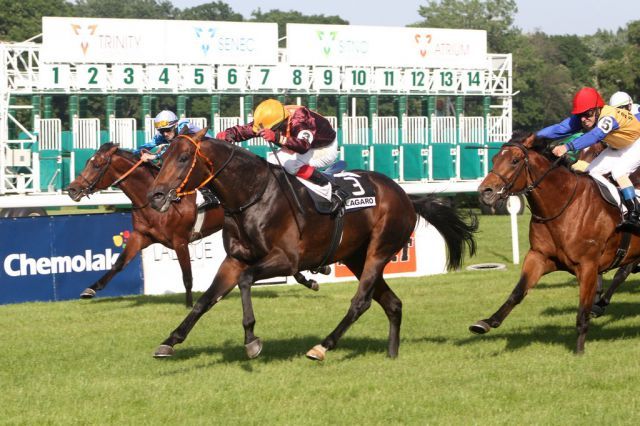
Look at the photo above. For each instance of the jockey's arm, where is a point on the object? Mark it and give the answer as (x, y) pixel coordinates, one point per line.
(238, 133)
(563, 129)
(605, 125)
(157, 139)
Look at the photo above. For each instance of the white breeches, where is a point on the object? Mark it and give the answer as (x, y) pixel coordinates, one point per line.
(618, 162)
(315, 157)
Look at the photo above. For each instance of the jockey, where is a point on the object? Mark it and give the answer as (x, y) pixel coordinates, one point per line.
(306, 140)
(619, 129)
(623, 100)
(168, 126)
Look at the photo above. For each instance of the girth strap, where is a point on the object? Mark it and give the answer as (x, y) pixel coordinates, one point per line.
(335, 239)
(622, 250)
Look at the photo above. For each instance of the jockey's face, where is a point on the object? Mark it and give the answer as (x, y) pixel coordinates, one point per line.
(588, 118)
(169, 134)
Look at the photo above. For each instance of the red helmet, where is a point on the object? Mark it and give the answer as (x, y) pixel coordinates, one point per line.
(586, 99)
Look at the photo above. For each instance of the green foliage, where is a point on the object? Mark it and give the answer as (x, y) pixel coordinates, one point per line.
(132, 9)
(213, 11)
(494, 16)
(22, 19)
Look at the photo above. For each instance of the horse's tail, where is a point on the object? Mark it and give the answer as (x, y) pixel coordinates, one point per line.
(452, 226)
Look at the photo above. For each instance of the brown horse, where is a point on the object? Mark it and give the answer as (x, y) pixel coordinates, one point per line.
(565, 206)
(175, 230)
(265, 235)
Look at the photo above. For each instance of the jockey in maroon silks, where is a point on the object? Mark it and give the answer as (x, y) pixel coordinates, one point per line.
(306, 139)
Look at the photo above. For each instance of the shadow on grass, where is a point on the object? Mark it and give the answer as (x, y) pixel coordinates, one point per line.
(232, 352)
(179, 298)
(558, 335)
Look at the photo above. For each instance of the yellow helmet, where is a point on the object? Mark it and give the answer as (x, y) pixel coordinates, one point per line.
(268, 115)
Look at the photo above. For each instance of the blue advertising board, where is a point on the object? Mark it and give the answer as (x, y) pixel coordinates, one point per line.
(56, 257)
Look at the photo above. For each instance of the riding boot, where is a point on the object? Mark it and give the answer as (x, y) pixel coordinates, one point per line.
(210, 200)
(631, 221)
(338, 195)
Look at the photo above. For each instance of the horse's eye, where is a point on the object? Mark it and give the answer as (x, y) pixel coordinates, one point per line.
(515, 161)
(95, 164)
(184, 157)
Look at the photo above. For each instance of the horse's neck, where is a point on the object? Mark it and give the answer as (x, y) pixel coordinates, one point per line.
(553, 191)
(136, 184)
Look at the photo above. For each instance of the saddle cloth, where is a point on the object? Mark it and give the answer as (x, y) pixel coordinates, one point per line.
(610, 193)
(359, 188)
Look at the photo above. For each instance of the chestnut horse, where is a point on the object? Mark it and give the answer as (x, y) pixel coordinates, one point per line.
(265, 235)
(565, 208)
(175, 230)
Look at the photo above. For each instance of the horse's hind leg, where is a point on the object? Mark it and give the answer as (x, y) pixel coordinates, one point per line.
(184, 259)
(310, 284)
(369, 276)
(136, 243)
(224, 281)
(393, 308)
(602, 302)
(535, 265)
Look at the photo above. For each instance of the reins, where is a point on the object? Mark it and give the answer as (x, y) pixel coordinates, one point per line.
(534, 184)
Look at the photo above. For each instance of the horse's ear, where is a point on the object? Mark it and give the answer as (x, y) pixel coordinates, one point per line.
(200, 134)
(184, 130)
(113, 148)
(529, 140)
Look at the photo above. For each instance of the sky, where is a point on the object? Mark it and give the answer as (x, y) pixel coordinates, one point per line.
(580, 17)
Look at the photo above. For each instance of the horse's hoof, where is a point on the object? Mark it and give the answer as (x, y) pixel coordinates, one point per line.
(254, 348)
(88, 293)
(313, 285)
(317, 353)
(164, 351)
(480, 327)
(325, 270)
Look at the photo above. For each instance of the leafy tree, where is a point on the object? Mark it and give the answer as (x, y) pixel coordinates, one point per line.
(293, 17)
(214, 11)
(21, 20)
(132, 9)
(494, 16)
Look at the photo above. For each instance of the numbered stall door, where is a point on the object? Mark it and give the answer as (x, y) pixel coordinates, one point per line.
(414, 150)
(49, 148)
(472, 157)
(123, 131)
(355, 142)
(443, 148)
(498, 132)
(385, 150)
(86, 141)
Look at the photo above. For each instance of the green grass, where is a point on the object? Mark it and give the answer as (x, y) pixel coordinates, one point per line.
(89, 362)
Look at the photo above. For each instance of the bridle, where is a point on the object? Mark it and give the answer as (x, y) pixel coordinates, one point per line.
(90, 188)
(175, 194)
(506, 192)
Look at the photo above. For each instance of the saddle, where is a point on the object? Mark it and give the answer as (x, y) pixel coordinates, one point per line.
(353, 191)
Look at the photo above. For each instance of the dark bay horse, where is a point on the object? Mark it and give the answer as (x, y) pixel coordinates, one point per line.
(572, 228)
(175, 229)
(265, 235)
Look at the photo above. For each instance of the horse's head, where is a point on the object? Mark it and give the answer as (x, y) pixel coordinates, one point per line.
(512, 167)
(184, 169)
(94, 176)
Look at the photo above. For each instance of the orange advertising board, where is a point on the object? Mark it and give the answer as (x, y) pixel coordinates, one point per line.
(404, 261)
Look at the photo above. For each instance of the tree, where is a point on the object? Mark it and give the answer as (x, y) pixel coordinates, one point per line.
(214, 11)
(131, 9)
(21, 20)
(293, 17)
(494, 16)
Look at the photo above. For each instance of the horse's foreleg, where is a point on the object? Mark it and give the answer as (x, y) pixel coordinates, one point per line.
(135, 243)
(535, 265)
(184, 259)
(602, 302)
(310, 284)
(223, 283)
(587, 274)
(252, 344)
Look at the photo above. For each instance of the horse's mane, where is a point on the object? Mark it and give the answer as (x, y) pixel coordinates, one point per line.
(541, 145)
(130, 156)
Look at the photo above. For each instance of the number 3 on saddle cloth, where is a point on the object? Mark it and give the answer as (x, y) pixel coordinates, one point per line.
(356, 190)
